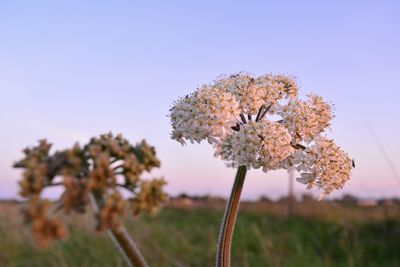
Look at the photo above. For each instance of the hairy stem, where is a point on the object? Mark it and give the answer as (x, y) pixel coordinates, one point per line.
(121, 238)
(228, 222)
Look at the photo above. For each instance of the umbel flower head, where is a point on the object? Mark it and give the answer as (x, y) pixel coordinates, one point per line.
(103, 167)
(260, 122)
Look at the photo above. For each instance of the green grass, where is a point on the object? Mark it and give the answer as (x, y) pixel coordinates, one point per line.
(178, 237)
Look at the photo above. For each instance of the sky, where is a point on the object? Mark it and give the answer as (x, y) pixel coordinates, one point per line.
(70, 70)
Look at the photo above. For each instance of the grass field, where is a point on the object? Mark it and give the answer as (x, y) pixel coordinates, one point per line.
(319, 234)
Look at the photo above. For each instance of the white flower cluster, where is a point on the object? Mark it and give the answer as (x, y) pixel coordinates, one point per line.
(323, 164)
(209, 113)
(307, 119)
(252, 92)
(261, 144)
(235, 115)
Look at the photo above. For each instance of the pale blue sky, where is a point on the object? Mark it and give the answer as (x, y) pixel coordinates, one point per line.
(73, 69)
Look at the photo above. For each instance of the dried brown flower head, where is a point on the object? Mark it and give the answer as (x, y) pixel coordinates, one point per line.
(101, 168)
(45, 229)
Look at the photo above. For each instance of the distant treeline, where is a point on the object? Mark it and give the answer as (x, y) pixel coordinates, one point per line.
(345, 199)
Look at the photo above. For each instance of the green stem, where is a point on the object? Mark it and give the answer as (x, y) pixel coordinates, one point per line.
(228, 222)
(121, 238)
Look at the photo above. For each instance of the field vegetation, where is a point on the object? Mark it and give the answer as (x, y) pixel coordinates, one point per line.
(338, 233)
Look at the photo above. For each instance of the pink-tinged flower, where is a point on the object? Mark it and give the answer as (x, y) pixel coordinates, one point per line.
(259, 122)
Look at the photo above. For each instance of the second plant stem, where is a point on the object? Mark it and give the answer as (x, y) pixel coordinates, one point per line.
(121, 238)
(229, 219)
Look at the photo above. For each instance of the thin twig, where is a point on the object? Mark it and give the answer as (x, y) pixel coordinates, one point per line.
(54, 184)
(118, 166)
(298, 146)
(126, 187)
(264, 112)
(243, 118)
(259, 113)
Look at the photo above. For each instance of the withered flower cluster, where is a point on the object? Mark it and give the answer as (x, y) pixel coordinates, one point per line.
(98, 170)
(45, 229)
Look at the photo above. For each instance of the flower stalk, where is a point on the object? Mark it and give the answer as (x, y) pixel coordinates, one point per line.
(121, 238)
(229, 219)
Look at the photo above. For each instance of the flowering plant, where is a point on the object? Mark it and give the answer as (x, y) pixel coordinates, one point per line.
(259, 122)
(93, 173)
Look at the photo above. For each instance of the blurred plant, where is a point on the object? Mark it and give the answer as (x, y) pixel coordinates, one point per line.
(95, 172)
(259, 122)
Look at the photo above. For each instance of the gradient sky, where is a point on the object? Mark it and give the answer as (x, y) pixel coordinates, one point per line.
(70, 70)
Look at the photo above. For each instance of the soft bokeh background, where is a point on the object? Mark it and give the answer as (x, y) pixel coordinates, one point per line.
(70, 70)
